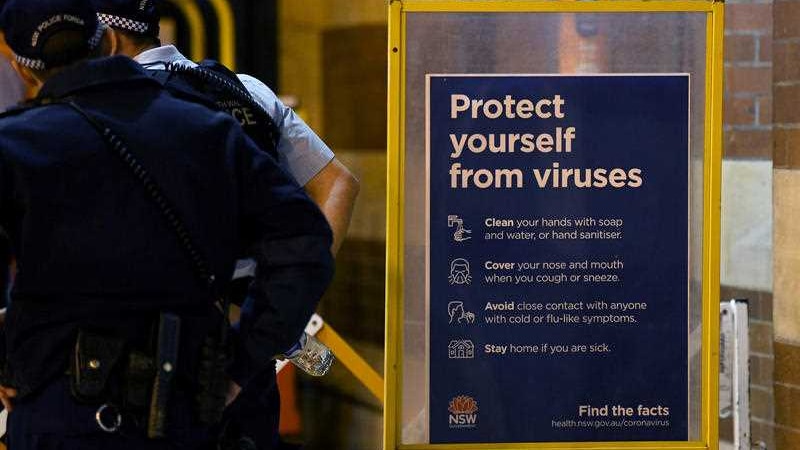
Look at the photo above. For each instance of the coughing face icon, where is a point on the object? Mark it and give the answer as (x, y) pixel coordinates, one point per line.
(459, 272)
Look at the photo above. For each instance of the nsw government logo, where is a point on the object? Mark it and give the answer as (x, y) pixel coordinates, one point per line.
(463, 412)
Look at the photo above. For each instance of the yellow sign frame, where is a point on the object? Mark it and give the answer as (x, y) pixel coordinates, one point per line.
(714, 9)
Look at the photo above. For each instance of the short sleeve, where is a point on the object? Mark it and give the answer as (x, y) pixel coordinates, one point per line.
(301, 151)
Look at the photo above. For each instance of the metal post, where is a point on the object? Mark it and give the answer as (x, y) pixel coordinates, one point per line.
(735, 370)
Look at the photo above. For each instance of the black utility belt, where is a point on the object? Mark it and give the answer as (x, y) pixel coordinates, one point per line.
(127, 383)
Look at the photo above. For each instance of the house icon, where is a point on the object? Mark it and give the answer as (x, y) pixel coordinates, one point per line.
(461, 349)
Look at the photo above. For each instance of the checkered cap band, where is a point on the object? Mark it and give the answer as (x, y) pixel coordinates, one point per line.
(38, 64)
(123, 23)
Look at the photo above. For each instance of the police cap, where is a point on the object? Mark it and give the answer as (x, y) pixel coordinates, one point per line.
(30, 27)
(136, 16)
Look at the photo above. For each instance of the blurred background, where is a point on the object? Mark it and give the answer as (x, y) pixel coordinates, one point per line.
(330, 59)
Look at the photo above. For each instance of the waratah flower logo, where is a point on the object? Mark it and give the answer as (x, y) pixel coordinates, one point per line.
(463, 404)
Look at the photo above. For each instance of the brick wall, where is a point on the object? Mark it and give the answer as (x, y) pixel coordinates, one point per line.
(748, 80)
(748, 136)
(786, 91)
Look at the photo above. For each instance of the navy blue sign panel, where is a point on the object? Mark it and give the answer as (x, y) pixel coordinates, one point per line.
(558, 264)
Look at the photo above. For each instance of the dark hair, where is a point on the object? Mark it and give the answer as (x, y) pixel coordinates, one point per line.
(138, 39)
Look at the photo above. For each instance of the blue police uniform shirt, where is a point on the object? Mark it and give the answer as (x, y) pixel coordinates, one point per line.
(94, 251)
(300, 150)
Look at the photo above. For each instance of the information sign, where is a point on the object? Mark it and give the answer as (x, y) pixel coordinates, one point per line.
(558, 258)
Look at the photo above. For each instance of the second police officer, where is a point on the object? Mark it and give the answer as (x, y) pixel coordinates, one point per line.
(254, 418)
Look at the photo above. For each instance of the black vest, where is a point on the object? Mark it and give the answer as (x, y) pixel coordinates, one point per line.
(217, 87)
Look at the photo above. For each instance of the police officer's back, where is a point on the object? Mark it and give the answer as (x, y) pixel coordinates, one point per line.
(254, 417)
(95, 250)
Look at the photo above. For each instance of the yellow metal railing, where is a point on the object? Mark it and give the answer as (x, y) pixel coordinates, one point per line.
(352, 361)
(197, 27)
(227, 33)
(346, 355)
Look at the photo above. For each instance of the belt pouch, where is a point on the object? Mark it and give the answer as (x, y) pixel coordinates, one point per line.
(167, 360)
(93, 360)
(213, 381)
(138, 382)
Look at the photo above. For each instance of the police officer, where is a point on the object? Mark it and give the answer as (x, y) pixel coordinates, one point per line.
(134, 25)
(124, 206)
(305, 156)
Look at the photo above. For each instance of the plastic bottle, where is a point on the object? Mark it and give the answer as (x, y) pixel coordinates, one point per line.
(311, 355)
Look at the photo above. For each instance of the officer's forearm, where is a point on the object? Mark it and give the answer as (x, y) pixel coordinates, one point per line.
(291, 243)
(334, 189)
(291, 277)
(7, 394)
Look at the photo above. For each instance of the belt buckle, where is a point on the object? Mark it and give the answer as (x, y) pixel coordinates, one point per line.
(105, 413)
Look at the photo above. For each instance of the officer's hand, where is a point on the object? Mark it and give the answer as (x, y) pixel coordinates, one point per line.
(233, 392)
(6, 394)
